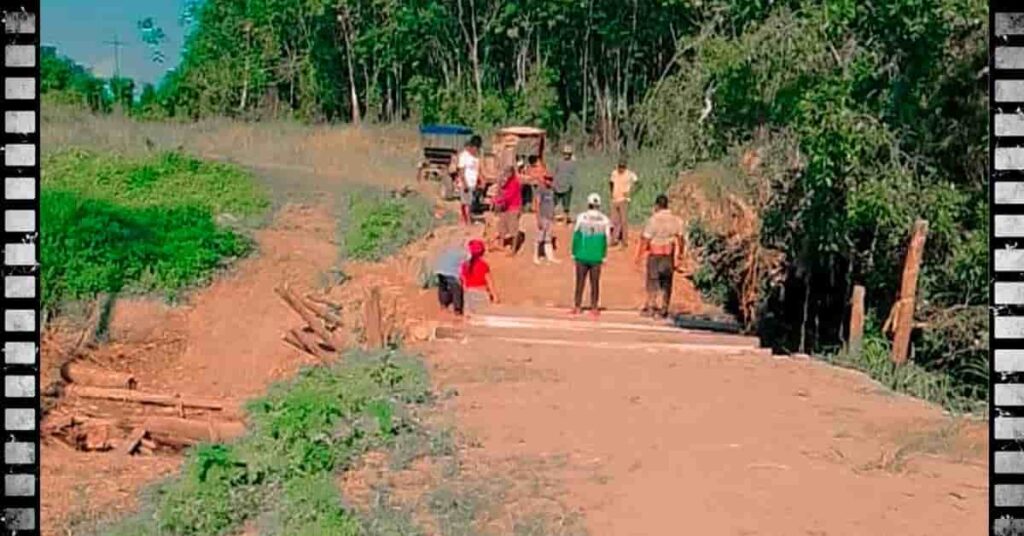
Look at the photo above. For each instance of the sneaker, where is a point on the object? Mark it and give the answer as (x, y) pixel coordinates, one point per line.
(595, 314)
(646, 312)
(575, 311)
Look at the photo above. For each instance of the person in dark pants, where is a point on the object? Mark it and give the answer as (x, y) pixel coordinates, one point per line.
(590, 237)
(449, 287)
(664, 244)
(564, 180)
(449, 293)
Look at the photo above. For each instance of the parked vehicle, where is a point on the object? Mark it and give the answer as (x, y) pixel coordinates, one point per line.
(441, 145)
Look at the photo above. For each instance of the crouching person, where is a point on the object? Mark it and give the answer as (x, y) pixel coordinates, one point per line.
(447, 274)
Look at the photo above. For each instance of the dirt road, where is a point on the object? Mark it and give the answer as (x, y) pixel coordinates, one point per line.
(689, 436)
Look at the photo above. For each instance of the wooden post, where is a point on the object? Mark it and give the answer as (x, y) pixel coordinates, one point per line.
(372, 321)
(856, 321)
(904, 319)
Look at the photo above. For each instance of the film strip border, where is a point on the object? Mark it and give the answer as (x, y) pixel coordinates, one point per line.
(1006, 266)
(21, 402)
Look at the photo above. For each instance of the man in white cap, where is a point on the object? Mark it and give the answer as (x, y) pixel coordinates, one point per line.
(590, 238)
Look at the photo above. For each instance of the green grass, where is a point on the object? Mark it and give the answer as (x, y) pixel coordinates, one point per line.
(909, 378)
(166, 180)
(375, 225)
(113, 224)
(300, 434)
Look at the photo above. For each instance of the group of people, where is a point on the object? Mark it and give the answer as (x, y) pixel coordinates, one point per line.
(519, 188)
(464, 278)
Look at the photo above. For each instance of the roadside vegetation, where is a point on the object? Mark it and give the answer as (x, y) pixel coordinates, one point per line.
(283, 471)
(113, 224)
(375, 223)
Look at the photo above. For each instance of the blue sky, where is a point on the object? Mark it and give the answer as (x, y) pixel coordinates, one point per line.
(78, 29)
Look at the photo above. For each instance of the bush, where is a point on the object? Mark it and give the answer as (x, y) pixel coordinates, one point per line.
(884, 109)
(111, 224)
(90, 246)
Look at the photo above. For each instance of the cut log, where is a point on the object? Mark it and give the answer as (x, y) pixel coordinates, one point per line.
(322, 311)
(133, 441)
(125, 395)
(307, 316)
(82, 374)
(293, 340)
(309, 341)
(323, 301)
(186, 432)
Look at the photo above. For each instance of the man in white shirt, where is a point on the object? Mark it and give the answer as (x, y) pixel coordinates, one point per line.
(469, 177)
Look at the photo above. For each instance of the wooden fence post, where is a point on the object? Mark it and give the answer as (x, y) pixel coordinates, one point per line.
(903, 320)
(856, 321)
(373, 321)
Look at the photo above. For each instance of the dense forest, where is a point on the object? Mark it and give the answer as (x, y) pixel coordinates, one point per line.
(868, 115)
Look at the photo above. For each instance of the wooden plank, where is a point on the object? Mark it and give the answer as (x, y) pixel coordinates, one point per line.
(125, 395)
(856, 335)
(904, 319)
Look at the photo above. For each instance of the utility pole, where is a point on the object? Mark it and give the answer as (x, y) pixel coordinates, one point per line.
(117, 44)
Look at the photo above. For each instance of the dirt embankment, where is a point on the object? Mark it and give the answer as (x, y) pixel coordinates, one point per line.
(223, 344)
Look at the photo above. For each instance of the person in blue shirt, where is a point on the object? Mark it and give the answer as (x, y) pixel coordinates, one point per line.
(447, 270)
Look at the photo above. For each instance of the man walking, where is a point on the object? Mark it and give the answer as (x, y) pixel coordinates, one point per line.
(565, 179)
(664, 242)
(589, 248)
(621, 182)
(544, 208)
(468, 178)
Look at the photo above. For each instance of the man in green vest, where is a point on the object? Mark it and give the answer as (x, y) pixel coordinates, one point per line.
(590, 237)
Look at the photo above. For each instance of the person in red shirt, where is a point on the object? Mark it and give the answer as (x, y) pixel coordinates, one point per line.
(509, 207)
(475, 276)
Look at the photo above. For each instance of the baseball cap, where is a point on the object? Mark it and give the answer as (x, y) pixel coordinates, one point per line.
(594, 199)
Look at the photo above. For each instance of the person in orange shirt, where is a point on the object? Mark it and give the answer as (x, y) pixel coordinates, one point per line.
(622, 182)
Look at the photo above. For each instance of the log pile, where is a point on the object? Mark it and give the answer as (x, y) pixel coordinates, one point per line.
(83, 430)
(320, 336)
(138, 435)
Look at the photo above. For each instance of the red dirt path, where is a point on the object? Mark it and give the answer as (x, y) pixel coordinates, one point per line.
(673, 442)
